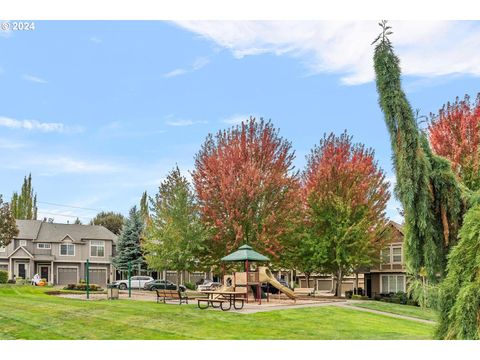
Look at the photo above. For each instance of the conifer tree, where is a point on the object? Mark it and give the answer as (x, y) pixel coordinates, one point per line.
(426, 185)
(128, 245)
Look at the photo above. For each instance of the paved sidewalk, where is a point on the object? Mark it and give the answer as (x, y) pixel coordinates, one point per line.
(398, 316)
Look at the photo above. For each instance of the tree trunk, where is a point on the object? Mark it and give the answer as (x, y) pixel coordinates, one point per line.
(338, 285)
(356, 284)
(307, 278)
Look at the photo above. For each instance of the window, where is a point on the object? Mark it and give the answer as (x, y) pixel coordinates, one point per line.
(67, 249)
(392, 283)
(43, 246)
(397, 254)
(3, 249)
(23, 242)
(385, 254)
(97, 248)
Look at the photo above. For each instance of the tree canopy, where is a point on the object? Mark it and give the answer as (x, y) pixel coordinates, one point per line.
(247, 190)
(24, 205)
(345, 194)
(8, 227)
(111, 220)
(174, 235)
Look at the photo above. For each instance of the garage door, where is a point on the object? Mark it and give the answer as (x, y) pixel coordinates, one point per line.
(67, 276)
(98, 276)
(324, 284)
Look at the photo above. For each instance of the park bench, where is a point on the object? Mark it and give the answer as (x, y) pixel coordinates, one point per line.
(164, 295)
(222, 299)
(303, 291)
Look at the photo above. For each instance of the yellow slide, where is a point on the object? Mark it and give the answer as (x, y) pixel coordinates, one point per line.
(265, 275)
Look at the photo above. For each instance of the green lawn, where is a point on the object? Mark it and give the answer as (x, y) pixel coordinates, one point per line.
(28, 313)
(414, 311)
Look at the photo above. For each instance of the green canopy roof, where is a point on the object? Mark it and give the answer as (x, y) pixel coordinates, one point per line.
(244, 253)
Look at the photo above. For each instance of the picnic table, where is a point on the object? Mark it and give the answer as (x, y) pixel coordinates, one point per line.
(223, 299)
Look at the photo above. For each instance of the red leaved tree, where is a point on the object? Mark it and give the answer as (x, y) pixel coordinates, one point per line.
(246, 187)
(345, 194)
(455, 135)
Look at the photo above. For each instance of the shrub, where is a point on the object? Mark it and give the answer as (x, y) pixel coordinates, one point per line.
(359, 297)
(190, 286)
(348, 294)
(82, 287)
(3, 277)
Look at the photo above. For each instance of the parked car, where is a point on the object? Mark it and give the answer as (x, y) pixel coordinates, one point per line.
(162, 284)
(273, 290)
(209, 286)
(137, 282)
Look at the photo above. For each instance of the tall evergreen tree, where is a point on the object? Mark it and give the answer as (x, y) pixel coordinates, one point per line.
(24, 206)
(175, 234)
(144, 211)
(8, 227)
(426, 185)
(128, 245)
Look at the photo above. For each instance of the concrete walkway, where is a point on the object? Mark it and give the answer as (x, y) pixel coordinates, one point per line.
(349, 305)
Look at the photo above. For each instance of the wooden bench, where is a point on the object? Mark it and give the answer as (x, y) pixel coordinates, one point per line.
(303, 291)
(164, 295)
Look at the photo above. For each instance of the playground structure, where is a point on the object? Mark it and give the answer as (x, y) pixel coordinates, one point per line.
(251, 280)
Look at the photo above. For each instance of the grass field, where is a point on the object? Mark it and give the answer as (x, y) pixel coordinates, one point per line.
(407, 310)
(28, 313)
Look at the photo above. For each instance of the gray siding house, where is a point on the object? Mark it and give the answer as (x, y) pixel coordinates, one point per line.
(58, 252)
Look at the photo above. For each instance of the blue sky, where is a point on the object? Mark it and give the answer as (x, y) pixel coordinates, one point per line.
(98, 112)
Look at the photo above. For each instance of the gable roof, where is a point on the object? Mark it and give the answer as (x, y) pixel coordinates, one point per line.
(25, 252)
(28, 229)
(41, 231)
(397, 226)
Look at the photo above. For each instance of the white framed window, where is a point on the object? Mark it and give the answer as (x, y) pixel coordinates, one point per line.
(97, 248)
(392, 283)
(23, 242)
(67, 249)
(44, 246)
(385, 255)
(396, 254)
(3, 249)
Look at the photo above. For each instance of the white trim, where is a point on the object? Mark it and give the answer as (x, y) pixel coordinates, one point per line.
(66, 244)
(68, 267)
(3, 249)
(401, 255)
(18, 248)
(39, 272)
(22, 242)
(90, 249)
(396, 276)
(16, 270)
(44, 248)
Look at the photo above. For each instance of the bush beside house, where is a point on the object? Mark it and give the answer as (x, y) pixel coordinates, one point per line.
(3, 277)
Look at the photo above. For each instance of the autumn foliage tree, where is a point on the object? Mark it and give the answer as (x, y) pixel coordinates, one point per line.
(345, 194)
(247, 190)
(455, 134)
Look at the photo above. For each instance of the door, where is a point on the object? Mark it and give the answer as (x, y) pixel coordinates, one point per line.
(67, 276)
(22, 271)
(98, 277)
(45, 272)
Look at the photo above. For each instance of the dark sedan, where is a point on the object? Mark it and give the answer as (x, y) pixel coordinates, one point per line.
(162, 284)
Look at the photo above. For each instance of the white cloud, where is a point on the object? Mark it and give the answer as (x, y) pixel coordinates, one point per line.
(35, 125)
(174, 73)
(184, 122)
(95, 40)
(236, 119)
(426, 48)
(62, 164)
(34, 79)
(198, 64)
